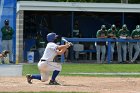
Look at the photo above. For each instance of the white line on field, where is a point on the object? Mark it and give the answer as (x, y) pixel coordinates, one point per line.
(108, 73)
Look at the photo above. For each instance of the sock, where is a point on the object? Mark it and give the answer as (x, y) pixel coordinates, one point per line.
(55, 73)
(36, 77)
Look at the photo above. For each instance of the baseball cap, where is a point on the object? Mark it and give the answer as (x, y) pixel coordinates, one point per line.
(51, 37)
(6, 21)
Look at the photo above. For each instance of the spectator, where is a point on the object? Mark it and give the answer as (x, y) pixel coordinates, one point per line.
(40, 44)
(122, 46)
(7, 35)
(112, 34)
(134, 35)
(101, 46)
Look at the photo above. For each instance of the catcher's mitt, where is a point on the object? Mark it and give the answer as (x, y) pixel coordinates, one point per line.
(5, 52)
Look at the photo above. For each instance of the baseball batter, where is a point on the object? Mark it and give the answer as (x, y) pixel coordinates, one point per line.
(46, 63)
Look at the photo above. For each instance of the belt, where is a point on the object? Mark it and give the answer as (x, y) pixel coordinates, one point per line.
(43, 60)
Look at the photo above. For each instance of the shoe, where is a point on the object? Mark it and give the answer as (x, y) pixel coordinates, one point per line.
(120, 62)
(3, 62)
(11, 62)
(53, 83)
(125, 62)
(29, 78)
(135, 62)
(131, 62)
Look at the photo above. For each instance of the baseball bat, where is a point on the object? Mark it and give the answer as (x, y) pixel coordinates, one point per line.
(66, 41)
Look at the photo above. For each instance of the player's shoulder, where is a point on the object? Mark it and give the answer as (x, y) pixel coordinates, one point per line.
(51, 44)
(109, 30)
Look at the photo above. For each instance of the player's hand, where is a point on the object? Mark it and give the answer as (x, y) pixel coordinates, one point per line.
(68, 44)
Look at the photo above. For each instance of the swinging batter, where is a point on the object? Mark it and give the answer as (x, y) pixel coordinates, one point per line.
(46, 63)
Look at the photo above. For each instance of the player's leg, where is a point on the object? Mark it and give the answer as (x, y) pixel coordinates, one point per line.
(33, 76)
(43, 70)
(56, 68)
(112, 50)
(10, 47)
(137, 51)
(124, 47)
(98, 49)
(119, 46)
(103, 50)
(130, 50)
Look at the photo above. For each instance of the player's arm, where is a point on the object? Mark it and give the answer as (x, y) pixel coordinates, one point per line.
(98, 35)
(62, 48)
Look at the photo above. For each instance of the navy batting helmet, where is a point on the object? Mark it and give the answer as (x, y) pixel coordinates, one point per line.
(51, 37)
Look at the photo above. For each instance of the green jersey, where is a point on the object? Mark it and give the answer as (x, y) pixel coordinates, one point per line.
(122, 32)
(7, 33)
(135, 34)
(111, 33)
(99, 34)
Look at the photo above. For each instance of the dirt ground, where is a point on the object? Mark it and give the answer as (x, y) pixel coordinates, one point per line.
(73, 84)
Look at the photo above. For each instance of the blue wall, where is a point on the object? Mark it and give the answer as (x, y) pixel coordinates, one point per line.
(9, 12)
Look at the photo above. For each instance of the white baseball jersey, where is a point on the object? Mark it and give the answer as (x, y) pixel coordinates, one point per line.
(50, 52)
(46, 63)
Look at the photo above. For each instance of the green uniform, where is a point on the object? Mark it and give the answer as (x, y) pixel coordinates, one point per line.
(123, 33)
(110, 31)
(7, 33)
(135, 34)
(101, 33)
(122, 46)
(100, 47)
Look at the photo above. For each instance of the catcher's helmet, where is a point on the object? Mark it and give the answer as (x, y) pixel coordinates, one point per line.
(51, 37)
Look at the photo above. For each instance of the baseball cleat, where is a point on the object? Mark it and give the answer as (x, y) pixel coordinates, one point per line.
(29, 78)
(53, 83)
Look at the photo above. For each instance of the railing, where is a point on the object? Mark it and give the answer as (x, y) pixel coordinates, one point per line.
(109, 40)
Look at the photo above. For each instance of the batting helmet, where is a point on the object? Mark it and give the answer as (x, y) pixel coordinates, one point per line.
(51, 37)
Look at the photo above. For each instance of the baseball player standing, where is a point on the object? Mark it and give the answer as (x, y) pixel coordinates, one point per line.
(101, 46)
(122, 46)
(135, 35)
(46, 63)
(111, 33)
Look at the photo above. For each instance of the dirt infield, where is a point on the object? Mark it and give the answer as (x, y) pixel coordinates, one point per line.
(73, 84)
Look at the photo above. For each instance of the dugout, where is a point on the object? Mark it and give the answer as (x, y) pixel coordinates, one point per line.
(60, 17)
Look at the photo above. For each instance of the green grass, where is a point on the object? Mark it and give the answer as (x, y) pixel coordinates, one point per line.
(88, 68)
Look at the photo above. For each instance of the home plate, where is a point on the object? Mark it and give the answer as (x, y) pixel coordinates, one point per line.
(10, 70)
